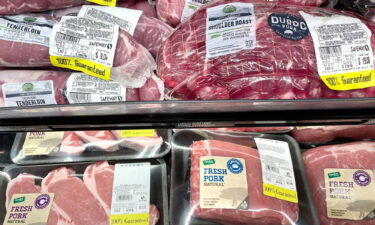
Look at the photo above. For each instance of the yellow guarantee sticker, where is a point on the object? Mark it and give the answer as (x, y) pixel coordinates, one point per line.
(111, 3)
(133, 219)
(280, 193)
(137, 133)
(91, 68)
(350, 81)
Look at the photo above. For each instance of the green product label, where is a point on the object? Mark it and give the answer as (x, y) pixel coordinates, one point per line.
(19, 200)
(334, 175)
(209, 162)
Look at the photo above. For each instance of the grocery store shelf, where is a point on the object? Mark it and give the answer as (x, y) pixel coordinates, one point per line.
(172, 114)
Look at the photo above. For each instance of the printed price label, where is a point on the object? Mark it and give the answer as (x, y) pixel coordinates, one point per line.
(131, 194)
(29, 209)
(137, 133)
(277, 169)
(343, 51)
(111, 3)
(82, 88)
(127, 19)
(84, 44)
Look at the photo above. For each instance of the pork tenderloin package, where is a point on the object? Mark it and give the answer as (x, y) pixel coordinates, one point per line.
(23, 88)
(76, 146)
(149, 31)
(316, 135)
(78, 43)
(221, 178)
(342, 180)
(102, 191)
(246, 49)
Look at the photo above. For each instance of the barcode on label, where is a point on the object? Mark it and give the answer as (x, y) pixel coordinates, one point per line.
(124, 197)
(64, 37)
(332, 51)
(80, 96)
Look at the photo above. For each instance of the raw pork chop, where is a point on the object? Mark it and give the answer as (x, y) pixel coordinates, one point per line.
(324, 134)
(98, 179)
(71, 144)
(355, 155)
(278, 68)
(262, 209)
(62, 182)
(101, 139)
(149, 32)
(170, 11)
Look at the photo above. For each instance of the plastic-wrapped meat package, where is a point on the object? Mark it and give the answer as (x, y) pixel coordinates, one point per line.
(277, 68)
(205, 188)
(253, 129)
(142, 5)
(342, 182)
(324, 134)
(132, 64)
(175, 12)
(149, 31)
(75, 146)
(14, 45)
(58, 90)
(92, 195)
(25, 6)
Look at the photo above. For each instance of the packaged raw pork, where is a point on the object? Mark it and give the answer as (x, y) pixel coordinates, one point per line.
(25, 6)
(60, 191)
(148, 31)
(240, 49)
(76, 146)
(214, 180)
(175, 12)
(323, 134)
(31, 40)
(24, 88)
(341, 178)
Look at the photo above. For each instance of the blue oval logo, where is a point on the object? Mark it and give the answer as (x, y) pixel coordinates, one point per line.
(288, 26)
(235, 166)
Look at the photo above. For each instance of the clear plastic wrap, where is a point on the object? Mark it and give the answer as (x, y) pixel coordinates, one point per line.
(277, 68)
(149, 31)
(171, 11)
(365, 7)
(153, 89)
(76, 146)
(91, 182)
(132, 64)
(315, 135)
(358, 158)
(188, 148)
(254, 129)
(25, 6)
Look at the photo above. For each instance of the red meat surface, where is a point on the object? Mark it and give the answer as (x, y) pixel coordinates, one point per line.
(73, 204)
(251, 129)
(71, 144)
(170, 11)
(98, 178)
(24, 6)
(355, 155)
(321, 135)
(277, 68)
(149, 32)
(262, 209)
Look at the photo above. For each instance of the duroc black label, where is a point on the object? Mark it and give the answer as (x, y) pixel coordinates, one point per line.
(288, 26)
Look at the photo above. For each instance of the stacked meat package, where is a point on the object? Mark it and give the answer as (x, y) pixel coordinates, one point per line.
(107, 176)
